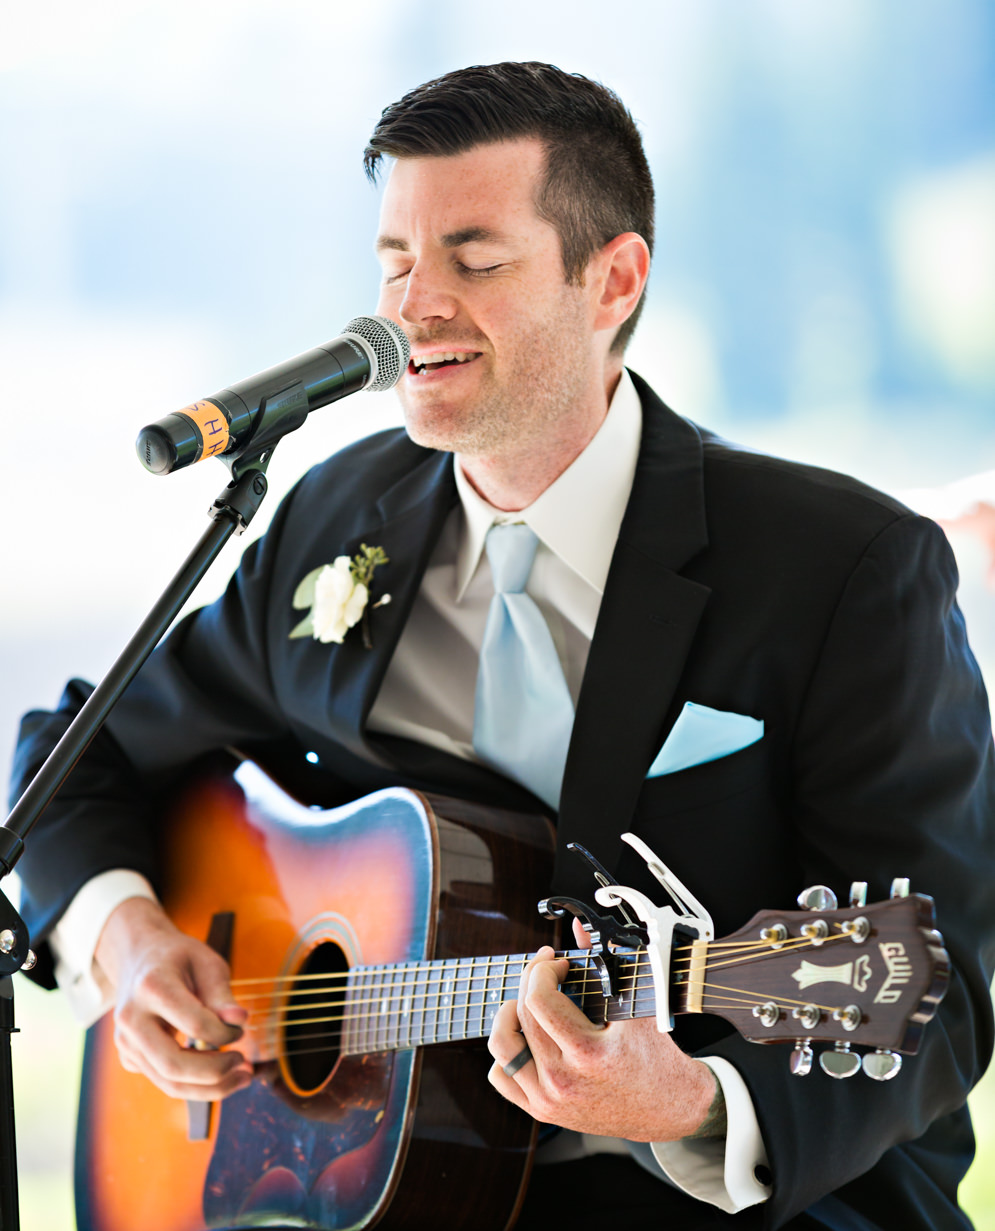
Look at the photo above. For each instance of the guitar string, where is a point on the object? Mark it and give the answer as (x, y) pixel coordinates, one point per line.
(358, 1006)
(364, 1045)
(480, 969)
(430, 965)
(390, 995)
(418, 1036)
(758, 951)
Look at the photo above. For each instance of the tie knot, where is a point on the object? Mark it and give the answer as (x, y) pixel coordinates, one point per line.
(511, 550)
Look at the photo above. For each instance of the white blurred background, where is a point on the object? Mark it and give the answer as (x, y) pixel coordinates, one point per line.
(182, 204)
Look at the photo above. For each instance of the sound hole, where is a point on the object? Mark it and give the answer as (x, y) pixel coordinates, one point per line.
(312, 1029)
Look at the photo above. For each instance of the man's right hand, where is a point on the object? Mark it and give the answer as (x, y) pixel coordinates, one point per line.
(170, 989)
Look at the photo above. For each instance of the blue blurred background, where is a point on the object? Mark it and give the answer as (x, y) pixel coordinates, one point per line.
(182, 203)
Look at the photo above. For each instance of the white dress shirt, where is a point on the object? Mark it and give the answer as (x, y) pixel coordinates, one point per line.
(428, 696)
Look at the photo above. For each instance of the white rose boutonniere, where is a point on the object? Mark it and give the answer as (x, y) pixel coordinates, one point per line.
(338, 595)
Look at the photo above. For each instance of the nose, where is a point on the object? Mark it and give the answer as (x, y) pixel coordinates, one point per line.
(426, 296)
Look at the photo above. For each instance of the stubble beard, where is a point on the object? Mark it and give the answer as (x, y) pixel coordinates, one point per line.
(551, 373)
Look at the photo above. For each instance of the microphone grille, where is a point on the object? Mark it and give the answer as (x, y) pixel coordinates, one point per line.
(389, 345)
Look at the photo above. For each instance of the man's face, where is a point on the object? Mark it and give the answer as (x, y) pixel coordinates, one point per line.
(502, 354)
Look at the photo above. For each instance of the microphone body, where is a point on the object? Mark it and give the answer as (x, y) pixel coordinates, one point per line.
(371, 353)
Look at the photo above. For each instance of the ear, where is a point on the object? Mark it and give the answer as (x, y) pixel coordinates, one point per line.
(618, 274)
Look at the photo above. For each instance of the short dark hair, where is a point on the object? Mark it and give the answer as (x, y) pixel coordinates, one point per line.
(597, 182)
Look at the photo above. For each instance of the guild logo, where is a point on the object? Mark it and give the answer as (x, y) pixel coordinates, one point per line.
(899, 972)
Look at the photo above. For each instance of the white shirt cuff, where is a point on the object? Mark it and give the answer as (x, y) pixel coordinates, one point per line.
(74, 939)
(723, 1173)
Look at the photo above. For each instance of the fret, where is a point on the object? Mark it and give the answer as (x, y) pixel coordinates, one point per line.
(394, 1002)
(370, 1010)
(366, 1009)
(380, 1007)
(466, 988)
(372, 997)
(478, 997)
(645, 998)
(427, 1000)
(459, 1002)
(347, 1032)
(493, 993)
(464, 975)
(432, 997)
(446, 999)
(405, 1006)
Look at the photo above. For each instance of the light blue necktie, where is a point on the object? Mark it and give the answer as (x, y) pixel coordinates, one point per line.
(523, 714)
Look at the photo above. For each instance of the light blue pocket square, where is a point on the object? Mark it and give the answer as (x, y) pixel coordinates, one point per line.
(701, 734)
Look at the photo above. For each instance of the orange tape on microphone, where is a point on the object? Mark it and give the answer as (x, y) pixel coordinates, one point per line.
(212, 426)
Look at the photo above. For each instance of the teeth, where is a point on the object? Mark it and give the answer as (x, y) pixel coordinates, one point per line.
(443, 357)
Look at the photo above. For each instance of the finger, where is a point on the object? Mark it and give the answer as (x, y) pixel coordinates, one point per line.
(198, 1091)
(554, 1025)
(541, 976)
(581, 935)
(507, 1044)
(519, 1061)
(541, 996)
(211, 984)
(506, 1032)
(151, 1049)
(172, 994)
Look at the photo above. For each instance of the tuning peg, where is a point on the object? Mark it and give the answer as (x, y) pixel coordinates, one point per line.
(808, 1014)
(858, 893)
(775, 935)
(849, 1017)
(900, 887)
(768, 1014)
(801, 1058)
(817, 897)
(840, 1062)
(881, 1065)
(816, 931)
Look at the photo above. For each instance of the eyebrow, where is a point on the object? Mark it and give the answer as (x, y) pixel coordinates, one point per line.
(455, 239)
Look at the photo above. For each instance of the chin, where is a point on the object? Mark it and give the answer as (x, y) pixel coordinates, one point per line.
(431, 432)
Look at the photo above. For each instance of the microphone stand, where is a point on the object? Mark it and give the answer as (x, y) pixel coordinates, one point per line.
(230, 514)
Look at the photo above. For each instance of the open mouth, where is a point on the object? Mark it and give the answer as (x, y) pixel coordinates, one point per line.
(442, 359)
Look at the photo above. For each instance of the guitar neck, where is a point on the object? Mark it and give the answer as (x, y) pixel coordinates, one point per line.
(412, 1004)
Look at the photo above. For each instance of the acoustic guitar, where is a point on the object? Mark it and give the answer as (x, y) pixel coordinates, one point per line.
(355, 938)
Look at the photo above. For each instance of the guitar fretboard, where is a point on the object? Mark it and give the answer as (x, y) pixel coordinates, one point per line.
(412, 1004)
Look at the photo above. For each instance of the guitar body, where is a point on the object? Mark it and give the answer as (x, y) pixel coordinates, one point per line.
(401, 1138)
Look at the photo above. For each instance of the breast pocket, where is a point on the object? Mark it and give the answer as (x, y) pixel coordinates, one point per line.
(722, 830)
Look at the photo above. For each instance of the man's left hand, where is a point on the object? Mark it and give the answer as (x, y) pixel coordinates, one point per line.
(625, 1079)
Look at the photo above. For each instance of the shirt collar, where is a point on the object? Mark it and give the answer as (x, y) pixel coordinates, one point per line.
(566, 517)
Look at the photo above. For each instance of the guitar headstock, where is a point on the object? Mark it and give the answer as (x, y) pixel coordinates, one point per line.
(871, 976)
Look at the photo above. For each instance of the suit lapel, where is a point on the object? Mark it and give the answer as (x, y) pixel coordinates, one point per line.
(648, 619)
(406, 523)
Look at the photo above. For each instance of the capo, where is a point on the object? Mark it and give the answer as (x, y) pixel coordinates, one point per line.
(660, 922)
(606, 933)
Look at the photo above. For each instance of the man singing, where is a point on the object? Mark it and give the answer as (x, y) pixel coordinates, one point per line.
(666, 582)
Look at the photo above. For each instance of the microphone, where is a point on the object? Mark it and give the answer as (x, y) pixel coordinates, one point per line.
(371, 353)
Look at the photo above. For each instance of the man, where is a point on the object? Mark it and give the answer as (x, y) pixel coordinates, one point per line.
(671, 568)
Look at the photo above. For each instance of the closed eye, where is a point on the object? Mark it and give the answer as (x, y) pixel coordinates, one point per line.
(478, 271)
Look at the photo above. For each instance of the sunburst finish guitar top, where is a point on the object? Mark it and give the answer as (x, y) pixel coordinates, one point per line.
(322, 1139)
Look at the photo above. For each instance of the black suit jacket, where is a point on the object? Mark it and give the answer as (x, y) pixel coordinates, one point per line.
(740, 582)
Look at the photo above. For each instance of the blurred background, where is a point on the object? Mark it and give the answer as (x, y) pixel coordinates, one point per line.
(182, 204)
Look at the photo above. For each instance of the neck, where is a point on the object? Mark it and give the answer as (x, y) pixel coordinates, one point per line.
(391, 1007)
(517, 477)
